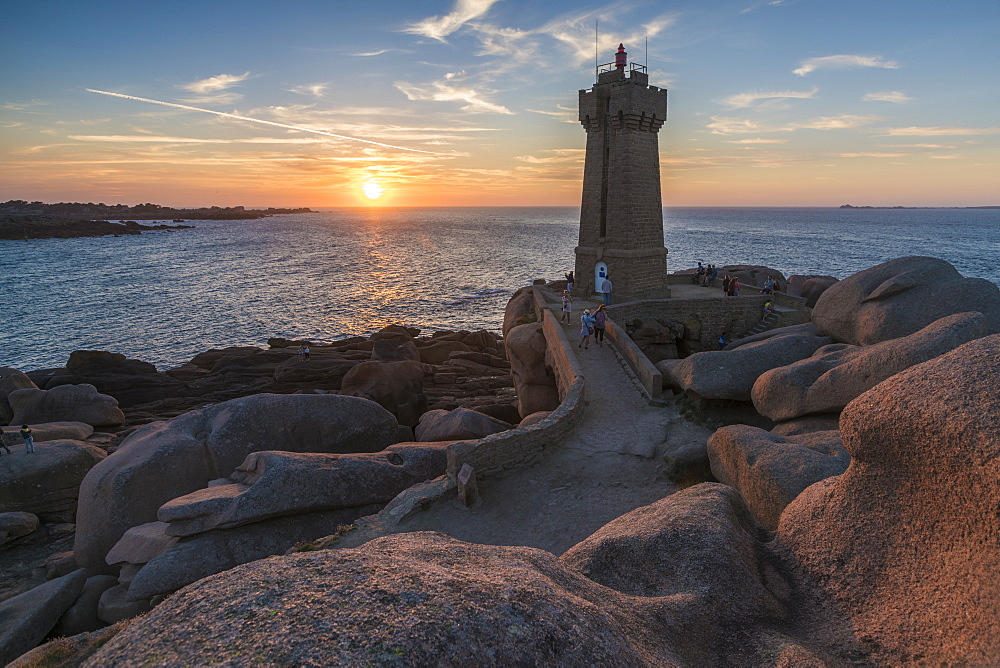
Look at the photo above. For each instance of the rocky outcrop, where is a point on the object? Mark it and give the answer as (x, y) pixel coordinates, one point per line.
(16, 524)
(410, 598)
(533, 377)
(82, 615)
(130, 382)
(809, 287)
(27, 618)
(47, 482)
(457, 425)
(396, 386)
(769, 470)
(65, 403)
(50, 431)
(900, 297)
(10, 380)
(520, 310)
(906, 542)
(731, 374)
(686, 581)
(273, 484)
(836, 374)
(164, 460)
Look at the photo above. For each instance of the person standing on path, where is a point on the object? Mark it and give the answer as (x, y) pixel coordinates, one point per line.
(569, 282)
(725, 284)
(567, 306)
(606, 290)
(26, 436)
(586, 328)
(600, 322)
(305, 353)
(734, 287)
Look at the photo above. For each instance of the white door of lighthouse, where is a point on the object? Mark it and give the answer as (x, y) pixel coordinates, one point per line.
(600, 273)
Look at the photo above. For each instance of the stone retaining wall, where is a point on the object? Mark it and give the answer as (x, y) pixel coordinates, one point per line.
(733, 315)
(516, 448)
(649, 377)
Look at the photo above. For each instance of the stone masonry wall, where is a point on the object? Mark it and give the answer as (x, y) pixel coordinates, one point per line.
(733, 315)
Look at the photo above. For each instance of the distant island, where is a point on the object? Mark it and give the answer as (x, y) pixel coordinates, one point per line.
(851, 206)
(36, 220)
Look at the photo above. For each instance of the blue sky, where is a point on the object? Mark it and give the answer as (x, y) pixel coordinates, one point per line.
(771, 103)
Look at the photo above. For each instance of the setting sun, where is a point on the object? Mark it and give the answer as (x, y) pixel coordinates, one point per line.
(372, 189)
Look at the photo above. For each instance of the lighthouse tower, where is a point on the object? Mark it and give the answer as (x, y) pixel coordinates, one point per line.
(621, 218)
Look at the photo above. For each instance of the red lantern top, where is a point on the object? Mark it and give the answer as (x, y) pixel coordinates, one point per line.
(620, 58)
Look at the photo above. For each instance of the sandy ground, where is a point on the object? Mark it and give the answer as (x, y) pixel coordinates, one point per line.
(609, 465)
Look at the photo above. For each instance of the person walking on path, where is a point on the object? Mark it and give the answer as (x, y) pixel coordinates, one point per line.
(606, 290)
(29, 441)
(586, 328)
(569, 282)
(600, 322)
(567, 306)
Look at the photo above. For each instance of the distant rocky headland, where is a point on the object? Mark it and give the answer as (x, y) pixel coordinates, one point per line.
(36, 220)
(851, 206)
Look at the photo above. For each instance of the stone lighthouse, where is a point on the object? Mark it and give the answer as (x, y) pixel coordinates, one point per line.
(621, 218)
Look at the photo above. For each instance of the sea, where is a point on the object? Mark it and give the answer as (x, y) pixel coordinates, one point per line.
(165, 296)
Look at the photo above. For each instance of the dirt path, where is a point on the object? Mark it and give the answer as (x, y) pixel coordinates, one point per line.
(609, 465)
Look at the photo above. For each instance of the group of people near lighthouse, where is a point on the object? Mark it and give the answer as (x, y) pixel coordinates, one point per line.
(591, 324)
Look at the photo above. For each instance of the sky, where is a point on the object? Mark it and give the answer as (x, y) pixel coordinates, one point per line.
(474, 102)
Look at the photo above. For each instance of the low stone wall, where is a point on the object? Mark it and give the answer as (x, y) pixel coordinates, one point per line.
(733, 315)
(649, 377)
(516, 448)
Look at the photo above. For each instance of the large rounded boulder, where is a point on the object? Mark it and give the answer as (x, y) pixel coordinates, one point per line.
(131, 382)
(534, 380)
(396, 386)
(906, 542)
(771, 470)
(65, 403)
(47, 481)
(836, 374)
(900, 297)
(408, 599)
(457, 425)
(164, 460)
(10, 380)
(730, 374)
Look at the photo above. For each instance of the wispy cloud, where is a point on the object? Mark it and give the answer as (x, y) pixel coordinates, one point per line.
(445, 91)
(577, 31)
(162, 139)
(896, 96)
(756, 141)
(842, 122)
(216, 83)
(945, 157)
(945, 146)
(914, 131)
(743, 100)
(439, 27)
(314, 90)
(564, 114)
(728, 125)
(873, 155)
(841, 61)
(219, 99)
(369, 54)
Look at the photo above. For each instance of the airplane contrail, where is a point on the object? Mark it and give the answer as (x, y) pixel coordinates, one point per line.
(255, 120)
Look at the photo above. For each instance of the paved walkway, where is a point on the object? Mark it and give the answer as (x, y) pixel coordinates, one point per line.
(609, 465)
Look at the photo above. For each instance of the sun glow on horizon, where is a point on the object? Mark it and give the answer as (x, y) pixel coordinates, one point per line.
(372, 189)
